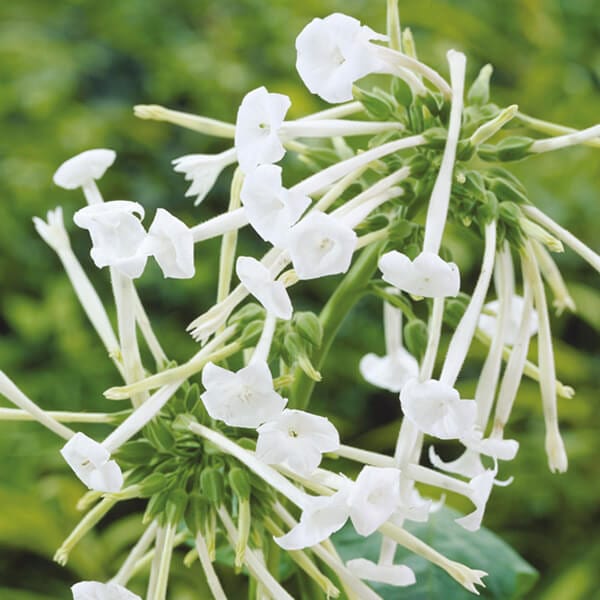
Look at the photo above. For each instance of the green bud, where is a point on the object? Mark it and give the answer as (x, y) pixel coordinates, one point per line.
(415, 337)
(308, 326)
(436, 137)
(401, 91)
(501, 173)
(177, 501)
(196, 511)
(474, 183)
(240, 483)
(378, 104)
(155, 506)
(415, 117)
(506, 191)
(372, 223)
(418, 165)
(488, 211)
(192, 397)
(400, 230)
(211, 482)
(246, 443)
(430, 102)
(455, 309)
(153, 484)
(248, 313)
(251, 334)
(479, 92)
(293, 347)
(159, 434)
(465, 150)
(183, 421)
(509, 211)
(509, 149)
(137, 452)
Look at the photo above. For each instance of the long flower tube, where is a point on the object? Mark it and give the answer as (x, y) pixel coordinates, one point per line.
(554, 279)
(209, 571)
(563, 141)
(553, 128)
(125, 572)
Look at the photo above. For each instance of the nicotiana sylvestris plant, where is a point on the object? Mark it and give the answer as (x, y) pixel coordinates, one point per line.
(231, 457)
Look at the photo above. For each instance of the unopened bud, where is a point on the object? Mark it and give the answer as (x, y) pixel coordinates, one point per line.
(415, 337)
(309, 327)
(479, 92)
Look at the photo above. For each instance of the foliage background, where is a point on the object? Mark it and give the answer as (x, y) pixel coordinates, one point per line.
(70, 72)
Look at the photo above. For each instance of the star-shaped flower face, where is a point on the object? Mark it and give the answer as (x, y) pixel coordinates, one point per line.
(320, 245)
(390, 372)
(333, 53)
(242, 399)
(117, 235)
(437, 409)
(258, 280)
(171, 243)
(373, 498)
(84, 168)
(94, 590)
(271, 209)
(427, 275)
(487, 322)
(90, 462)
(296, 439)
(323, 516)
(259, 118)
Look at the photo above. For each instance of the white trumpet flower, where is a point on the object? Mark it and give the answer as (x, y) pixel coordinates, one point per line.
(489, 316)
(94, 590)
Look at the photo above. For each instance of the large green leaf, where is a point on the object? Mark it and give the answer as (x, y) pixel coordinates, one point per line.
(509, 576)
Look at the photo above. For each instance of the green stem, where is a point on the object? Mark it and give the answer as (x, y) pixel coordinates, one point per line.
(350, 290)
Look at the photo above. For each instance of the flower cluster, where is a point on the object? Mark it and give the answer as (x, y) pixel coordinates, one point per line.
(243, 445)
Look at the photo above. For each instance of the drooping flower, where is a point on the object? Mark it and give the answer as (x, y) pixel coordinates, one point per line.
(297, 440)
(245, 398)
(320, 245)
(399, 575)
(117, 235)
(95, 590)
(203, 170)
(257, 279)
(333, 53)
(82, 171)
(271, 209)
(171, 243)
(390, 372)
(373, 498)
(428, 275)
(91, 463)
(437, 409)
(259, 118)
(321, 517)
(489, 316)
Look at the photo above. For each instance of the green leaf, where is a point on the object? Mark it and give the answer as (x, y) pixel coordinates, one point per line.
(509, 575)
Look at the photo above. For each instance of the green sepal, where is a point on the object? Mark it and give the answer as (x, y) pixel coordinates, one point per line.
(248, 313)
(506, 191)
(401, 91)
(153, 484)
(240, 483)
(175, 505)
(378, 104)
(479, 92)
(415, 337)
(212, 484)
(159, 434)
(136, 452)
(308, 327)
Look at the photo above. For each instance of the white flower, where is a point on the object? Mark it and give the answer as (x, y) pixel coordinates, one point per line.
(390, 372)
(296, 439)
(90, 462)
(468, 464)
(171, 243)
(481, 488)
(242, 399)
(427, 275)
(321, 517)
(257, 279)
(203, 170)
(94, 590)
(412, 505)
(84, 168)
(437, 409)
(333, 53)
(487, 321)
(116, 233)
(390, 574)
(259, 118)
(271, 209)
(373, 498)
(319, 245)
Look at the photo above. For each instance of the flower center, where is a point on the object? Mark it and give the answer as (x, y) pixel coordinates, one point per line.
(326, 244)
(292, 433)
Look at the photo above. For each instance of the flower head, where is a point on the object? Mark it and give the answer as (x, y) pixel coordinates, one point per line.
(257, 279)
(437, 409)
(242, 399)
(271, 209)
(322, 516)
(296, 439)
(90, 462)
(203, 170)
(427, 275)
(487, 321)
(320, 245)
(259, 118)
(334, 52)
(373, 498)
(84, 168)
(94, 590)
(171, 243)
(390, 372)
(117, 235)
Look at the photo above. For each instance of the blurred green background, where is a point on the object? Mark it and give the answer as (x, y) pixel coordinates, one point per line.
(70, 71)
